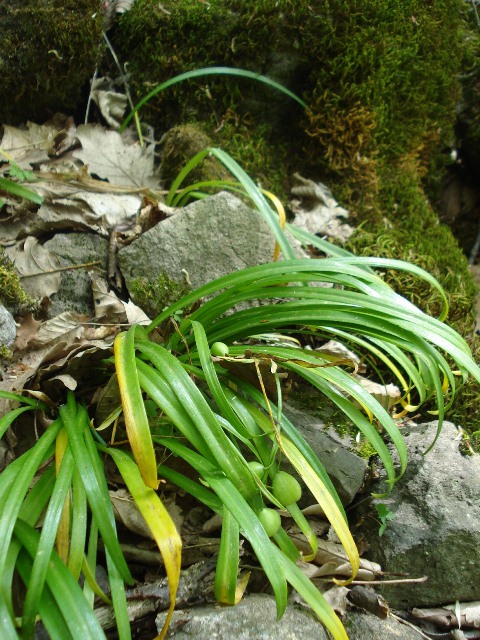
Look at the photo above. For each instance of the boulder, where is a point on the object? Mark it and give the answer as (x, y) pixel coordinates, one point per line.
(72, 249)
(207, 239)
(435, 529)
(346, 470)
(8, 329)
(254, 618)
(361, 625)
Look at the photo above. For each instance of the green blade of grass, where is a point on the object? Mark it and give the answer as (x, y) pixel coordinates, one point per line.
(189, 396)
(20, 191)
(98, 497)
(7, 626)
(67, 593)
(228, 558)
(29, 463)
(46, 545)
(250, 525)
(49, 612)
(311, 595)
(210, 71)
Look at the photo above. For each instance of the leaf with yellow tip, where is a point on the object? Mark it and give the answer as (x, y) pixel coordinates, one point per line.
(326, 501)
(136, 420)
(158, 521)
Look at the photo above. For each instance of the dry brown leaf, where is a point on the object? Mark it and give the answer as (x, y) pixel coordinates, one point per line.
(33, 263)
(323, 215)
(29, 146)
(108, 157)
(127, 512)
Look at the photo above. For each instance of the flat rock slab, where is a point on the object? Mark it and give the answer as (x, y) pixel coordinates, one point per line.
(207, 239)
(436, 528)
(73, 249)
(254, 618)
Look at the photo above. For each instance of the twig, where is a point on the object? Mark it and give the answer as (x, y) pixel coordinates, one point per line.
(75, 266)
(409, 624)
(399, 581)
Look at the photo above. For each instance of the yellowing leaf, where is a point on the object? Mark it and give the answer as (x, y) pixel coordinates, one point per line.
(158, 521)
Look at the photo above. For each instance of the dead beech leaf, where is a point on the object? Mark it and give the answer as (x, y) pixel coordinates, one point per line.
(108, 157)
(66, 208)
(27, 331)
(108, 399)
(35, 264)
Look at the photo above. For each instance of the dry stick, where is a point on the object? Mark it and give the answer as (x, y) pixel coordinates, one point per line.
(75, 266)
(399, 581)
(409, 624)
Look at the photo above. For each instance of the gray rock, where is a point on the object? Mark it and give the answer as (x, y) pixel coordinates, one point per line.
(75, 292)
(346, 470)
(8, 329)
(435, 531)
(254, 618)
(361, 625)
(206, 240)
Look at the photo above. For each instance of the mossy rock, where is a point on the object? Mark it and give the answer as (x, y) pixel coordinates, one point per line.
(48, 51)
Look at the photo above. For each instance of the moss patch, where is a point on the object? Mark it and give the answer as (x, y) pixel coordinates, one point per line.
(12, 294)
(48, 50)
(154, 296)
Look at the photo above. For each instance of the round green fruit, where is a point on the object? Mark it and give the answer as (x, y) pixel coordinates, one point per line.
(286, 488)
(257, 468)
(219, 349)
(270, 520)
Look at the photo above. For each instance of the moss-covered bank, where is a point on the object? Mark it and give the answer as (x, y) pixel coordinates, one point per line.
(48, 51)
(381, 78)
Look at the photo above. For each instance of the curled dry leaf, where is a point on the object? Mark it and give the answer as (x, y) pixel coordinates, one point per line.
(323, 215)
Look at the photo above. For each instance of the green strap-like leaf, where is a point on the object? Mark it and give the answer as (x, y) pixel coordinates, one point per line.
(136, 420)
(158, 520)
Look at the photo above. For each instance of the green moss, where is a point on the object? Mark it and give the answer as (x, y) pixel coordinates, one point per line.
(48, 51)
(11, 292)
(154, 296)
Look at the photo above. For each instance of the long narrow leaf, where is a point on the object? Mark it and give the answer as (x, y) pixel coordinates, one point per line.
(210, 71)
(158, 520)
(136, 420)
(79, 617)
(98, 499)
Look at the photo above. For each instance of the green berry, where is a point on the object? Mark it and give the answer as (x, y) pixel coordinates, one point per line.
(257, 468)
(219, 349)
(270, 520)
(286, 488)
